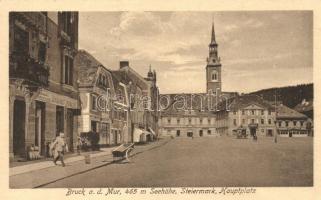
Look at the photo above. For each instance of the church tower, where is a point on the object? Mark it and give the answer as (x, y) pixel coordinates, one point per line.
(213, 68)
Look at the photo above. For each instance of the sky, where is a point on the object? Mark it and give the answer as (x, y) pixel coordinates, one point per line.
(258, 49)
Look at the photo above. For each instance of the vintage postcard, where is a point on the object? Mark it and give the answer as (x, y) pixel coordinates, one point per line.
(161, 104)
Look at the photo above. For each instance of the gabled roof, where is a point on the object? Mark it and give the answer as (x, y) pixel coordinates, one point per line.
(87, 68)
(240, 102)
(288, 113)
(127, 74)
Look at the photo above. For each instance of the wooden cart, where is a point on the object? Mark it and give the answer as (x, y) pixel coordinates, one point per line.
(122, 152)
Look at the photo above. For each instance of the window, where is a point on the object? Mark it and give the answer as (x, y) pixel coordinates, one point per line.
(234, 112)
(93, 102)
(178, 133)
(243, 112)
(66, 22)
(201, 120)
(189, 120)
(201, 133)
(262, 121)
(209, 132)
(214, 76)
(253, 112)
(294, 123)
(209, 121)
(269, 112)
(102, 81)
(21, 41)
(262, 112)
(42, 52)
(286, 123)
(178, 120)
(301, 122)
(252, 121)
(169, 120)
(234, 122)
(270, 121)
(280, 123)
(68, 70)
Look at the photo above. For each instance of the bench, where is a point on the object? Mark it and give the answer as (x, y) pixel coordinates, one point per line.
(122, 151)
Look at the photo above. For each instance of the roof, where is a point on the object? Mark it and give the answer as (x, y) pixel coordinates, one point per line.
(240, 102)
(304, 106)
(87, 66)
(127, 74)
(186, 104)
(288, 113)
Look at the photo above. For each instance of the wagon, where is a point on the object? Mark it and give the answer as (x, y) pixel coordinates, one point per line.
(122, 152)
(241, 133)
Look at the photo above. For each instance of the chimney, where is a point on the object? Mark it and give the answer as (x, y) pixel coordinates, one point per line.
(123, 64)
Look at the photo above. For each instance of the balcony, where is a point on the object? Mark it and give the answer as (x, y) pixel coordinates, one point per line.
(24, 67)
(35, 19)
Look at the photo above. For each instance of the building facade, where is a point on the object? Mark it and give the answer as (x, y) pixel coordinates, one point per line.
(95, 92)
(43, 91)
(191, 124)
(291, 123)
(142, 98)
(249, 112)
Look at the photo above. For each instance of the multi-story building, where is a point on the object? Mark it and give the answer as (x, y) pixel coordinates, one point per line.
(291, 123)
(179, 120)
(95, 91)
(141, 92)
(43, 82)
(250, 112)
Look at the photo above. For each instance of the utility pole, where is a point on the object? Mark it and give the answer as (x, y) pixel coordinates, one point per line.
(276, 115)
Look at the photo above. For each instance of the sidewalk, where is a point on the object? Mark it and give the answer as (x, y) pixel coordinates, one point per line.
(38, 174)
(48, 162)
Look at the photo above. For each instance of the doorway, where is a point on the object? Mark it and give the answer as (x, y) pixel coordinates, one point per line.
(253, 132)
(270, 132)
(19, 114)
(40, 127)
(70, 129)
(94, 126)
(60, 120)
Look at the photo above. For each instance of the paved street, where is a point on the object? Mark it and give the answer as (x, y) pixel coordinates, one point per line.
(208, 162)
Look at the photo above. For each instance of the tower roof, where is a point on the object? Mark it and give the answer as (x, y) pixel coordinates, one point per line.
(213, 41)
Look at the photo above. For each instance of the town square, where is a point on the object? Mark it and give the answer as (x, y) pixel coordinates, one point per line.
(161, 99)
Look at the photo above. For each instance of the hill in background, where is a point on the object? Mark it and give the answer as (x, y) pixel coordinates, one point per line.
(289, 96)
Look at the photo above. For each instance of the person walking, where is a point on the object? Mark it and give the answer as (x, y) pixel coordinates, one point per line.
(59, 148)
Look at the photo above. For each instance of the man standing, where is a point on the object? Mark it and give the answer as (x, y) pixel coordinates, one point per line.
(59, 147)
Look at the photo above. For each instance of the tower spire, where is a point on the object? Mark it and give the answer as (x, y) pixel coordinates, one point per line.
(213, 41)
